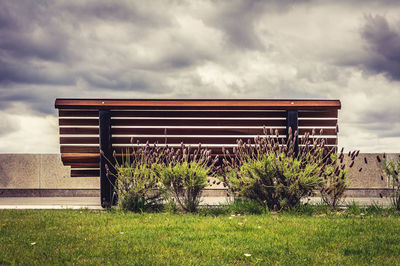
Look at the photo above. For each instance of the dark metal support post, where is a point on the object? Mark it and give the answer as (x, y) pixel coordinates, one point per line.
(292, 121)
(106, 183)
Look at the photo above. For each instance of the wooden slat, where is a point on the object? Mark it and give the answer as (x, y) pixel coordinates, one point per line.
(195, 122)
(78, 122)
(332, 113)
(195, 104)
(162, 140)
(318, 123)
(85, 165)
(79, 149)
(175, 113)
(79, 130)
(173, 122)
(79, 140)
(85, 173)
(80, 157)
(77, 113)
(185, 131)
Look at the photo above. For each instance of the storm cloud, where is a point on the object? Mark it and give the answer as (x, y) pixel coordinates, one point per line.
(383, 40)
(347, 50)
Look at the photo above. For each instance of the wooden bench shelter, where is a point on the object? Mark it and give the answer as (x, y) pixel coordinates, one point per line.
(88, 125)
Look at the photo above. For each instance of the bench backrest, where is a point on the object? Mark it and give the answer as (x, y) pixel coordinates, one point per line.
(214, 123)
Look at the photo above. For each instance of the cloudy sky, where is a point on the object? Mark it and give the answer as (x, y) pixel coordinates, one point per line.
(347, 50)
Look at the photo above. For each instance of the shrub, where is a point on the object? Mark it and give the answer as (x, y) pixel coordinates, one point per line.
(392, 170)
(270, 172)
(137, 184)
(184, 175)
(335, 181)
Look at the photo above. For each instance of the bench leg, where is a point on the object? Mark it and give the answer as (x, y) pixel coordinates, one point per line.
(106, 183)
(292, 121)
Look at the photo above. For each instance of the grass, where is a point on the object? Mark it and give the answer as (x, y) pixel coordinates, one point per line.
(48, 237)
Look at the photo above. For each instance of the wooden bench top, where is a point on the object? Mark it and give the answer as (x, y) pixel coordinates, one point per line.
(196, 103)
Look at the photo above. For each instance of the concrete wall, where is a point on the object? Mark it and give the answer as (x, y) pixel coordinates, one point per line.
(40, 172)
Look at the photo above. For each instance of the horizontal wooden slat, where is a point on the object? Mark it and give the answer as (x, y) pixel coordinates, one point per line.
(333, 113)
(185, 131)
(80, 158)
(85, 173)
(173, 122)
(318, 123)
(162, 140)
(195, 104)
(231, 114)
(79, 130)
(84, 165)
(195, 122)
(79, 140)
(175, 113)
(79, 149)
(77, 113)
(78, 122)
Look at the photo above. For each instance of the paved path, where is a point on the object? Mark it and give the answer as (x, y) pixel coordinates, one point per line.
(94, 202)
(50, 203)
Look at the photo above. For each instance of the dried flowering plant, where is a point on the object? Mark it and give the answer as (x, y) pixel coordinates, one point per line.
(272, 172)
(184, 173)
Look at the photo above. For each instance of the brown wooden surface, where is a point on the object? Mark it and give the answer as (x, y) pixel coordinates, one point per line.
(169, 140)
(196, 122)
(80, 157)
(181, 113)
(85, 165)
(174, 122)
(85, 173)
(185, 131)
(79, 117)
(195, 104)
(82, 149)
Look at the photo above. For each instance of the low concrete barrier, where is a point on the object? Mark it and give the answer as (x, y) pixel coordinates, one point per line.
(43, 175)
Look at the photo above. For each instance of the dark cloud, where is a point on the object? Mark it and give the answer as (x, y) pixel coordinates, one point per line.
(121, 11)
(237, 19)
(383, 41)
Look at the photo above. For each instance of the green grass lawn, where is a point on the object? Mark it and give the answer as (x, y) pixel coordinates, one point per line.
(100, 237)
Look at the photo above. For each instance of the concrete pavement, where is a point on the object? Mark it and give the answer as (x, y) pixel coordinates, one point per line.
(94, 202)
